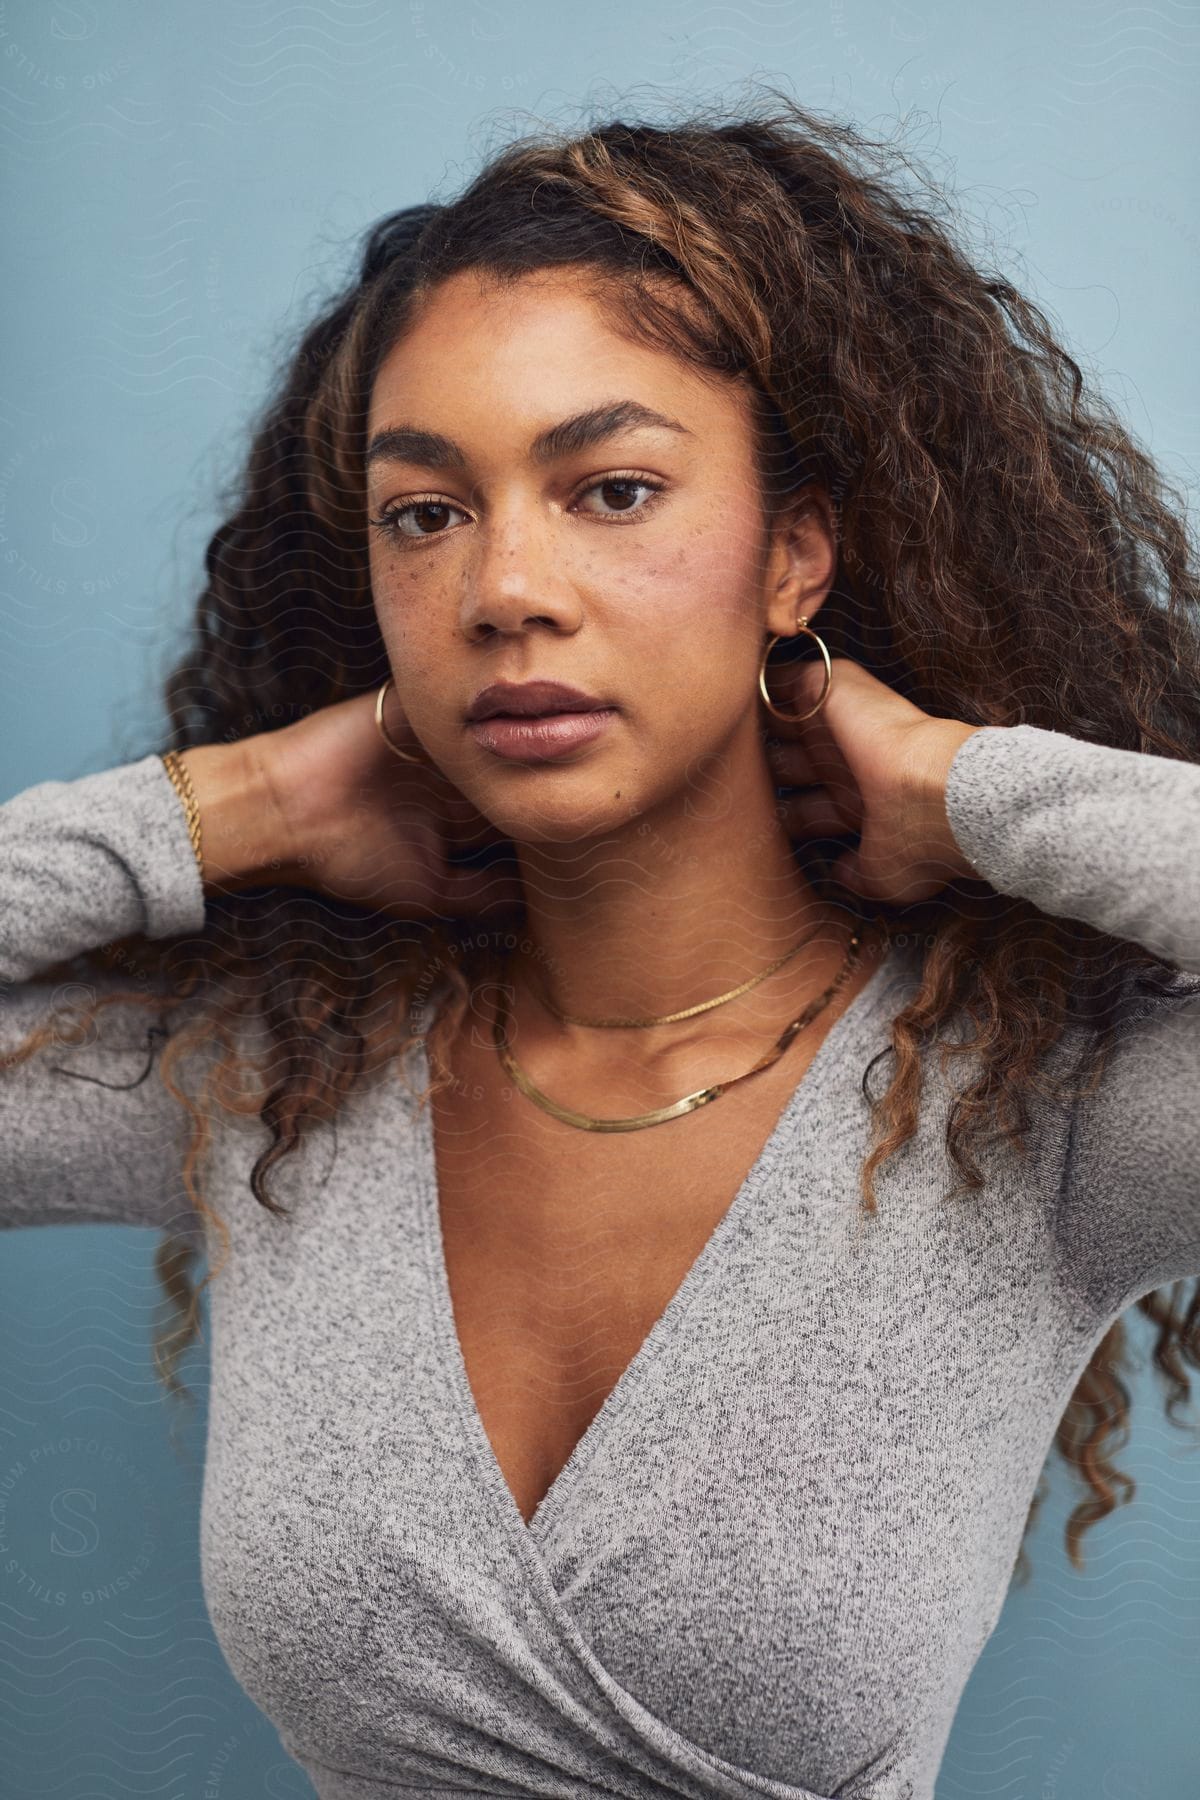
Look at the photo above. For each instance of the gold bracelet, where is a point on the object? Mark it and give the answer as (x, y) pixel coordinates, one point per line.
(181, 781)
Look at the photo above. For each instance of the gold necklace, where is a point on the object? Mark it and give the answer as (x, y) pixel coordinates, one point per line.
(689, 1102)
(688, 1012)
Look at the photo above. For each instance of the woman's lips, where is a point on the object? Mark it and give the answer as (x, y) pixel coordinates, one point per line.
(542, 738)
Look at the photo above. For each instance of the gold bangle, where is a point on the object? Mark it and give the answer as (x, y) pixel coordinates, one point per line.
(181, 781)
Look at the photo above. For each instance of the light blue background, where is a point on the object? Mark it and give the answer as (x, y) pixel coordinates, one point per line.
(183, 186)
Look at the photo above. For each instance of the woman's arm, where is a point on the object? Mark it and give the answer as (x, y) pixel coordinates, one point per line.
(88, 1133)
(1111, 837)
(85, 862)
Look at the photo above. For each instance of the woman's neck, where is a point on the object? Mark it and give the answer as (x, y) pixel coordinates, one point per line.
(672, 910)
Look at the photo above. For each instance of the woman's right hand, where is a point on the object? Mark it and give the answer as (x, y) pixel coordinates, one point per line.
(324, 803)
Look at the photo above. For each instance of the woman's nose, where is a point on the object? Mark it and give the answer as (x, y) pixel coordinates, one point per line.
(516, 579)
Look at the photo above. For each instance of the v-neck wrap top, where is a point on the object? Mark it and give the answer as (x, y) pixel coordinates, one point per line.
(773, 1559)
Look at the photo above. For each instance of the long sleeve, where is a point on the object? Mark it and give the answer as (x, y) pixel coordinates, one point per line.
(88, 1133)
(1110, 837)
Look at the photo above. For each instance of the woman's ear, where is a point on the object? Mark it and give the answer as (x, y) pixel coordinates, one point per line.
(802, 560)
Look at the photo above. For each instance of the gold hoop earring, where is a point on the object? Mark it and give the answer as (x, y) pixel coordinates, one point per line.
(794, 718)
(383, 730)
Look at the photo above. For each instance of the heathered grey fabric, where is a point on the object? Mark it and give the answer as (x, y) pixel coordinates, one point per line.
(773, 1560)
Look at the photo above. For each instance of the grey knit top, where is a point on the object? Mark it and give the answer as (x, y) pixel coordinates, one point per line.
(773, 1559)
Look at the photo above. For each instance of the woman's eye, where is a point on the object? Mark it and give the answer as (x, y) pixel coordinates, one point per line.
(625, 483)
(388, 521)
(426, 516)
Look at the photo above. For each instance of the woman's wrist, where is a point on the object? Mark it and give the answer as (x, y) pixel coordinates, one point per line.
(244, 836)
(940, 742)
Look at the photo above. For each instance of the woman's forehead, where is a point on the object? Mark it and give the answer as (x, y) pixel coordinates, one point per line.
(538, 352)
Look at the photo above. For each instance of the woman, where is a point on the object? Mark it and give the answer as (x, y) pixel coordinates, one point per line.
(644, 1415)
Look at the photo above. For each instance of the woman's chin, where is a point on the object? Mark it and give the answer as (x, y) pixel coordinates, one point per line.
(576, 813)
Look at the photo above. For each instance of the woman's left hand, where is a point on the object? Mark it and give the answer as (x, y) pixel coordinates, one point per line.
(873, 763)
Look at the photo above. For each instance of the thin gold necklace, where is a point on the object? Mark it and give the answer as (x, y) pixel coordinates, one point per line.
(689, 1102)
(688, 1012)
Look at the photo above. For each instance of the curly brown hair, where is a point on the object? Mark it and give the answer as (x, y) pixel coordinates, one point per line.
(1007, 554)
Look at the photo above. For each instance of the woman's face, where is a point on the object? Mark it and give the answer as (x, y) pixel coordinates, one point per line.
(624, 557)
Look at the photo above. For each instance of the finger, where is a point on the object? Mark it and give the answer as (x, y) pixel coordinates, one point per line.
(466, 827)
(813, 812)
(846, 870)
(469, 892)
(790, 762)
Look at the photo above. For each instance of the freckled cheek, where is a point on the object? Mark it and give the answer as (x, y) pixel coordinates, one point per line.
(423, 664)
(408, 614)
(392, 584)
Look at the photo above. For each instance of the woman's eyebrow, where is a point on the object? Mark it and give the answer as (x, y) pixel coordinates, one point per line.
(430, 450)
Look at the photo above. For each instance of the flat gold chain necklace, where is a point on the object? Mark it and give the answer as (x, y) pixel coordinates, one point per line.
(689, 1102)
